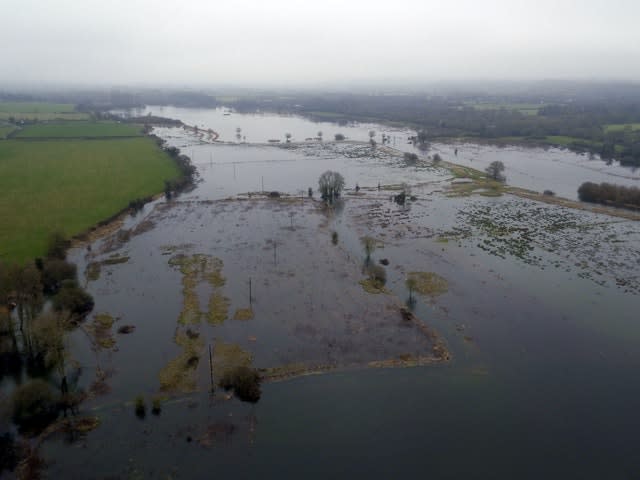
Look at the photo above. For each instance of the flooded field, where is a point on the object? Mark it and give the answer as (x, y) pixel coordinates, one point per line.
(518, 320)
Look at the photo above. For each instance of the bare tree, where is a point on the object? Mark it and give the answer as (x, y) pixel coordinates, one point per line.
(330, 184)
(494, 171)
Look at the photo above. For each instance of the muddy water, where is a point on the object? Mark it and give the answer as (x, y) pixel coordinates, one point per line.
(540, 318)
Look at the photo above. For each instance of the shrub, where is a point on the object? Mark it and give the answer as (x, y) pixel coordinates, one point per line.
(34, 405)
(244, 381)
(339, 137)
(73, 299)
(410, 158)
(140, 406)
(156, 406)
(54, 272)
(377, 275)
(9, 453)
(334, 238)
(57, 246)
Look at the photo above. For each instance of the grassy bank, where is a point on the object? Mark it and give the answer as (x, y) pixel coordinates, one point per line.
(71, 185)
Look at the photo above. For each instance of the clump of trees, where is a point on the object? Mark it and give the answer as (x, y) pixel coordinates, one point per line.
(330, 185)
(410, 158)
(339, 137)
(33, 339)
(187, 169)
(494, 171)
(610, 194)
(34, 405)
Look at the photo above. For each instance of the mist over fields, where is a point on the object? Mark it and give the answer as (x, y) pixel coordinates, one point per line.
(288, 43)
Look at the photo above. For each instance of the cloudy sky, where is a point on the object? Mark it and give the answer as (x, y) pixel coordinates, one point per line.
(303, 42)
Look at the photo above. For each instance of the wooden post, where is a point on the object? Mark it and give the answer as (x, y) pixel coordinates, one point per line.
(211, 367)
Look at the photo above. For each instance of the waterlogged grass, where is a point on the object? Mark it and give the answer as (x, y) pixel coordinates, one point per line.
(228, 356)
(196, 269)
(100, 331)
(428, 283)
(371, 285)
(70, 186)
(218, 309)
(476, 183)
(93, 269)
(243, 314)
(79, 130)
(179, 375)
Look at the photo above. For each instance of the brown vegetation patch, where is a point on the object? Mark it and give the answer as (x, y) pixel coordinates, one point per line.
(100, 331)
(243, 314)
(428, 283)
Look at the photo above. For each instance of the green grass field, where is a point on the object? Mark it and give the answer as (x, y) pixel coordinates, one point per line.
(79, 130)
(40, 111)
(35, 107)
(71, 185)
(616, 127)
(6, 130)
(45, 116)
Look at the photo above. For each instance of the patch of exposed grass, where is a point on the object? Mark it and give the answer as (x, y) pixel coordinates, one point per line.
(429, 283)
(243, 314)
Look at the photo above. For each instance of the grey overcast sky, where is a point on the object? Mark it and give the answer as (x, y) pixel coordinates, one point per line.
(300, 42)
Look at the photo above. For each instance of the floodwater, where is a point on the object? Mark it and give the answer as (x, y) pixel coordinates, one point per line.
(540, 317)
(538, 169)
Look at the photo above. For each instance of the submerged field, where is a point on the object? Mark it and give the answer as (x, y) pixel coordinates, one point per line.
(71, 185)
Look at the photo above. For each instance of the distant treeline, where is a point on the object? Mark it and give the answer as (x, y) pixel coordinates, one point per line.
(609, 194)
(576, 114)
